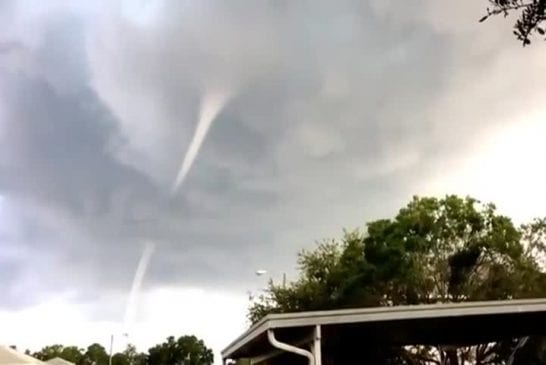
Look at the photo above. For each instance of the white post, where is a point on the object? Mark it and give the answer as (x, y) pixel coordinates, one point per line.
(317, 345)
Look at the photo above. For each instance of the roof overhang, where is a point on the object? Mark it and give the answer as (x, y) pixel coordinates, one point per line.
(470, 322)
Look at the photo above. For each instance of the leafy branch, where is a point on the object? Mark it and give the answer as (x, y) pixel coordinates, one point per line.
(532, 16)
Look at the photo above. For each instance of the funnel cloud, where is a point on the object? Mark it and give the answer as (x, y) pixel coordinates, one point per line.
(211, 105)
(140, 273)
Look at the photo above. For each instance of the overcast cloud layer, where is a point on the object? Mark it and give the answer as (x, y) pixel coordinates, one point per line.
(338, 112)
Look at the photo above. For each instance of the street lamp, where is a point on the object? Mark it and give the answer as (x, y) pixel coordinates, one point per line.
(112, 346)
(258, 273)
(262, 272)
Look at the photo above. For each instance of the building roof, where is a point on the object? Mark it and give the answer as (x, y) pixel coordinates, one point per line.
(469, 322)
(59, 361)
(9, 356)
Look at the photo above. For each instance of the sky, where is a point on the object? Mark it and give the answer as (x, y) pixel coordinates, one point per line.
(316, 116)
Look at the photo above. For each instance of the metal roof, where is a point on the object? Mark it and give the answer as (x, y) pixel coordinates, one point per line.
(400, 318)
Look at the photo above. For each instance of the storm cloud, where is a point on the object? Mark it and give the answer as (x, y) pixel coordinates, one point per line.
(339, 112)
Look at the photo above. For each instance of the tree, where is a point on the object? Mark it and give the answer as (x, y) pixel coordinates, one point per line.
(187, 350)
(49, 352)
(95, 355)
(129, 356)
(133, 356)
(72, 353)
(69, 353)
(434, 250)
(120, 358)
(531, 16)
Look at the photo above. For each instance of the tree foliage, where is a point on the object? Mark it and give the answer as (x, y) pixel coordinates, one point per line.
(434, 250)
(95, 355)
(531, 16)
(69, 353)
(186, 350)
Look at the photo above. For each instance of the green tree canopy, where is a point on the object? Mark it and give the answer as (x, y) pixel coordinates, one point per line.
(95, 355)
(69, 353)
(129, 356)
(434, 250)
(120, 359)
(49, 352)
(186, 350)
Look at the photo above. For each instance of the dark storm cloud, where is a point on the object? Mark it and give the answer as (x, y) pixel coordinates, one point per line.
(315, 115)
(255, 176)
(339, 111)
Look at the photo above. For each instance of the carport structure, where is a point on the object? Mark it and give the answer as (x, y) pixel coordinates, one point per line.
(309, 337)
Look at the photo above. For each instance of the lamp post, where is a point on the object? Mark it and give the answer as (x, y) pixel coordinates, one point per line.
(258, 273)
(112, 347)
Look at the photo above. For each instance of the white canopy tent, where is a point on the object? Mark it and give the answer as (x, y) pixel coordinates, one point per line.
(9, 356)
